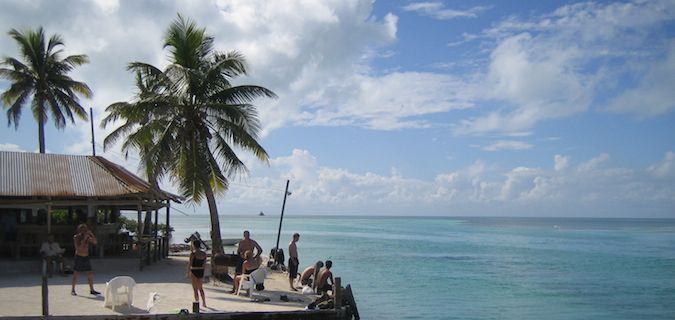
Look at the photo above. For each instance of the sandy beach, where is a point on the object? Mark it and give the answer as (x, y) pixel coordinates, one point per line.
(20, 294)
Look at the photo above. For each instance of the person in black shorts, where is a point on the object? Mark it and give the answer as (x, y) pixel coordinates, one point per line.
(322, 284)
(83, 238)
(196, 270)
(293, 261)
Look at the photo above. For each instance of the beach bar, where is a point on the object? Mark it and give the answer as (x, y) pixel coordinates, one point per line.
(52, 193)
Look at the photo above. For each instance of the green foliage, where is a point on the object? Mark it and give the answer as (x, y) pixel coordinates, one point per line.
(128, 224)
(131, 225)
(186, 119)
(60, 216)
(42, 78)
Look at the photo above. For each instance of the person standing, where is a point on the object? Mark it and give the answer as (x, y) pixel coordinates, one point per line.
(248, 244)
(293, 261)
(195, 271)
(82, 239)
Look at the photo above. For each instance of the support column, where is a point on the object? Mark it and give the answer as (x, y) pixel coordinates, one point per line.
(49, 217)
(168, 227)
(155, 236)
(139, 244)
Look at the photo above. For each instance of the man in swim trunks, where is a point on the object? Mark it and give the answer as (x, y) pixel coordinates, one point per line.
(82, 239)
(322, 282)
(293, 261)
(248, 244)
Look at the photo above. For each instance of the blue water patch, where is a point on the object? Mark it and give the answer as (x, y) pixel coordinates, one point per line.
(483, 268)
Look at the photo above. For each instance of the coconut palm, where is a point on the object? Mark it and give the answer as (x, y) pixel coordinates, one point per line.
(186, 120)
(43, 79)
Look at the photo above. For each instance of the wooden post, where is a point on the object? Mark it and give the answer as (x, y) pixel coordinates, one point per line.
(147, 251)
(45, 290)
(337, 292)
(139, 244)
(49, 218)
(156, 234)
(168, 227)
(281, 219)
(352, 302)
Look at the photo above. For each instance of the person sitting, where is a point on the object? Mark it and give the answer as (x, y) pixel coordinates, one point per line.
(322, 280)
(52, 253)
(247, 267)
(310, 273)
(248, 244)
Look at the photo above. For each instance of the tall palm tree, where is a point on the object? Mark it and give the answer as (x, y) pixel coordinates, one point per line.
(186, 119)
(43, 77)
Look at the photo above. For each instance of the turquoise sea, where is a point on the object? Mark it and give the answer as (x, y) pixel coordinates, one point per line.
(482, 268)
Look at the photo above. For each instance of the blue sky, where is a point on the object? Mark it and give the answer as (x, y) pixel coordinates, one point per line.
(525, 108)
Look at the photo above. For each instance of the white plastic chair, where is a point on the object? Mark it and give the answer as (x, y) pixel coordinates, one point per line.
(118, 291)
(249, 281)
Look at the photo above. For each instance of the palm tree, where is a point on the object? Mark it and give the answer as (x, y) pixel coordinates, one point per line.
(186, 119)
(43, 77)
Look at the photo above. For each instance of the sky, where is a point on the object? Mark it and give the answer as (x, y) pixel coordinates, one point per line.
(438, 108)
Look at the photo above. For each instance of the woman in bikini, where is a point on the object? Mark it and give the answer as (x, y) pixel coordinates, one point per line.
(247, 267)
(196, 270)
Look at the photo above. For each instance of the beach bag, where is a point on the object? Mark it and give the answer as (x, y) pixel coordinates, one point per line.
(306, 290)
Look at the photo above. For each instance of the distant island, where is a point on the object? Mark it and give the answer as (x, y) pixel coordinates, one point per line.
(261, 214)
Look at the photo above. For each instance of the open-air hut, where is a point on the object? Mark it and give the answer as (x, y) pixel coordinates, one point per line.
(53, 193)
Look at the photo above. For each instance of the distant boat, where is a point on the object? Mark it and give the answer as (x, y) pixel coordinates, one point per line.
(226, 241)
(261, 214)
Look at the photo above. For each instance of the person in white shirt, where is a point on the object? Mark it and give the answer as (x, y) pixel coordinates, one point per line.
(52, 252)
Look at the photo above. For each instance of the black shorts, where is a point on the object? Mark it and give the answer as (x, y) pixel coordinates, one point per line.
(198, 273)
(82, 264)
(293, 267)
(238, 267)
(325, 287)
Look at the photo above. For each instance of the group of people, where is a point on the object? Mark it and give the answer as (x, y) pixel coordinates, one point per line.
(313, 276)
(316, 276)
(52, 253)
(249, 252)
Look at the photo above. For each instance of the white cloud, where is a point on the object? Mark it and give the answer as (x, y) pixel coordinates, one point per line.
(507, 145)
(561, 162)
(10, 147)
(561, 64)
(654, 95)
(665, 168)
(317, 56)
(477, 189)
(437, 10)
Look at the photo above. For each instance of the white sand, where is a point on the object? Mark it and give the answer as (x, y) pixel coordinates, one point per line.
(20, 294)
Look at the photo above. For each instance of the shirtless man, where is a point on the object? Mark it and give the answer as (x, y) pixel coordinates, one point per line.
(293, 261)
(245, 245)
(82, 239)
(325, 274)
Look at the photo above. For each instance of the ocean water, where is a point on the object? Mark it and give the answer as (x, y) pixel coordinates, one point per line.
(481, 268)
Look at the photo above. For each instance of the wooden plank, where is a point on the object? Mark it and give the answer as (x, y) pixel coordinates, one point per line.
(352, 303)
(337, 293)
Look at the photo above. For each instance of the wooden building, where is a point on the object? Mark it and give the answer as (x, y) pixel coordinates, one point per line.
(52, 193)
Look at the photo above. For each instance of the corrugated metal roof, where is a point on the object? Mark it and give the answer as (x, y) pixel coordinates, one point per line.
(24, 174)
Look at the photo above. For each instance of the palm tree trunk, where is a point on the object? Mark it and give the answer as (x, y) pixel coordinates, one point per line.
(216, 239)
(41, 127)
